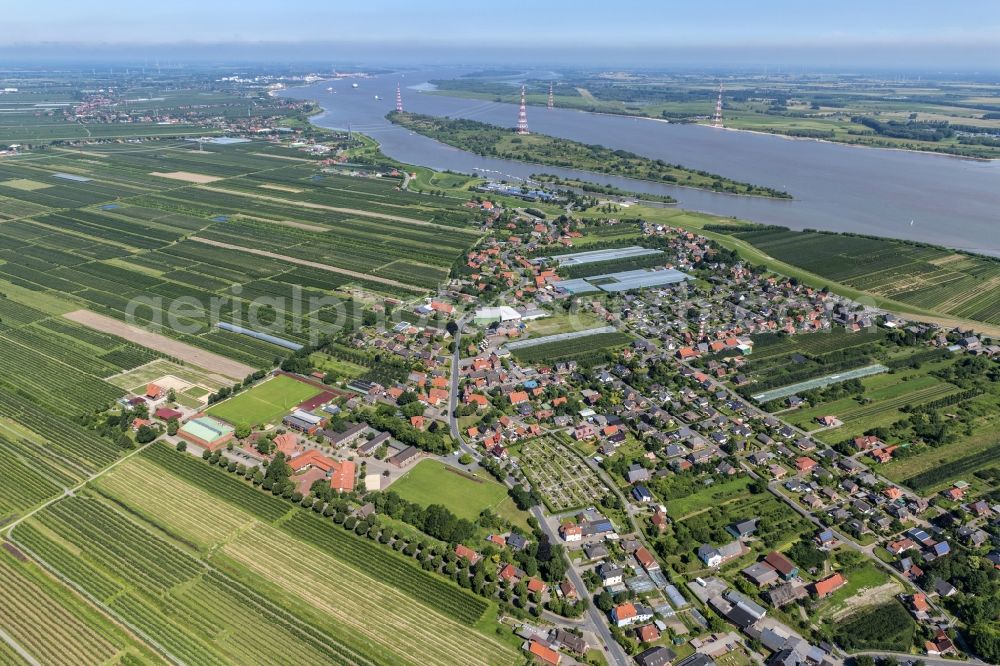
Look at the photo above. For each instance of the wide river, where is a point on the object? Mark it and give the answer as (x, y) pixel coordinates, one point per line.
(930, 198)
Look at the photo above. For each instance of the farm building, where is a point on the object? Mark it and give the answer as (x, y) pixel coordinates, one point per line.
(498, 314)
(165, 414)
(829, 585)
(206, 432)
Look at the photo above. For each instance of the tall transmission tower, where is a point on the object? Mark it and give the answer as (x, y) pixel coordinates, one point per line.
(717, 122)
(552, 100)
(522, 116)
(399, 99)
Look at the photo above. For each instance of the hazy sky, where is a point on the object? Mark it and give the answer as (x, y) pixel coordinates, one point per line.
(894, 33)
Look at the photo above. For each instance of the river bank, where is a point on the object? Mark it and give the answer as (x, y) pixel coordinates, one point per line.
(952, 203)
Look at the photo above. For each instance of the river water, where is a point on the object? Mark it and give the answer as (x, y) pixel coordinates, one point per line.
(930, 198)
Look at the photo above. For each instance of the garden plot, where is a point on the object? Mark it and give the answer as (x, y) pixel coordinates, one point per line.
(563, 478)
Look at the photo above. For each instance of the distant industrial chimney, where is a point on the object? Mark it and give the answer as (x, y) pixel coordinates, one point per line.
(552, 100)
(399, 99)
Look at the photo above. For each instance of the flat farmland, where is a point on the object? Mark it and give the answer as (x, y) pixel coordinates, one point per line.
(97, 229)
(26, 481)
(207, 360)
(264, 403)
(346, 601)
(929, 278)
(770, 349)
(934, 468)
(53, 626)
(167, 595)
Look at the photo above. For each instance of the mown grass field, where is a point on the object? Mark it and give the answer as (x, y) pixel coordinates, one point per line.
(715, 494)
(264, 403)
(561, 322)
(345, 589)
(432, 482)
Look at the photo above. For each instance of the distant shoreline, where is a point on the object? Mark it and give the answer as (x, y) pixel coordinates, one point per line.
(445, 93)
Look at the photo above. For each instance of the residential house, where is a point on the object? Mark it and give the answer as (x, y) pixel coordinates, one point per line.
(627, 614)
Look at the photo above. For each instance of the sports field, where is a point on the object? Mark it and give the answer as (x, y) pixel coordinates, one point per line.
(264, 403)
(431, 482)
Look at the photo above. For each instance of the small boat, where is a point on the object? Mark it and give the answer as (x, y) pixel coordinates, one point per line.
(354, 85)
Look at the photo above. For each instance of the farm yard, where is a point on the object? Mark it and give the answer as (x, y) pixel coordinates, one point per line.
(345, 589)
(930, 278)
(562, 478)
(39, 409)
(867, 585)
(191, 384)
(266, 402)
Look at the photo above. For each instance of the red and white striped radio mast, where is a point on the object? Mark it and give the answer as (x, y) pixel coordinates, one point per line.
(522, 116)
(552, 100)
(399, 99)
(718, 109)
